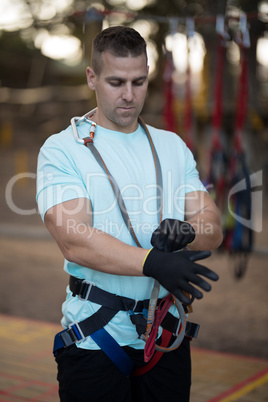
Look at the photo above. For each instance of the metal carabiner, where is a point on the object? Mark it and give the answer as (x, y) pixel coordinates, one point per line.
(75, 121)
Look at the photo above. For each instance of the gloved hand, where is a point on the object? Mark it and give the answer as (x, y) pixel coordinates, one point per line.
(172, 235)
(176, 272)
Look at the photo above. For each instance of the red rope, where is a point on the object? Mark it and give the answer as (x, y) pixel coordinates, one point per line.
(242, 100)
(188, 110)
(168, 112)
(217, 113)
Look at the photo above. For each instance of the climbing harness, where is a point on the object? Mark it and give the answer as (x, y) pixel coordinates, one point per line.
(146, 315)
(111, 304)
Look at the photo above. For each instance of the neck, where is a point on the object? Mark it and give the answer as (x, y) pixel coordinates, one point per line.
(104, 122)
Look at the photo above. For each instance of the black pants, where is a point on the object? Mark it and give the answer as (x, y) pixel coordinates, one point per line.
(90, 376)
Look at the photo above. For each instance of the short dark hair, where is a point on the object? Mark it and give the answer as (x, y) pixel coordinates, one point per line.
(118, 40)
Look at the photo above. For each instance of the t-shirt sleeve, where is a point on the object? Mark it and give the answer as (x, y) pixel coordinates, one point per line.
(57, 179)
(192, 180)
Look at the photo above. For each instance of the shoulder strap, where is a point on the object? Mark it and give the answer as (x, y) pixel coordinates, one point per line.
(88, 141)
(158, 172)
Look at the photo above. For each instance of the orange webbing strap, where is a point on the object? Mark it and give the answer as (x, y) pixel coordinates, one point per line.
(151, 310)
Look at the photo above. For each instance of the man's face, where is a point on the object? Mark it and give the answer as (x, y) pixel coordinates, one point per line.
(120, 91)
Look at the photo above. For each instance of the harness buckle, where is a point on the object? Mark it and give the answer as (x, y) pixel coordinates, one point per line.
(89, 287)
(76, 332)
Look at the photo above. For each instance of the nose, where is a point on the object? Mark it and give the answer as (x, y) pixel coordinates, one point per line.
(128, 92)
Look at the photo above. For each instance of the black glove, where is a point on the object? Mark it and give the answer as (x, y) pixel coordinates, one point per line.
(172, 235)
(176, 272)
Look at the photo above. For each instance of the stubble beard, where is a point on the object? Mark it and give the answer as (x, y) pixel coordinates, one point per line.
(125, 118)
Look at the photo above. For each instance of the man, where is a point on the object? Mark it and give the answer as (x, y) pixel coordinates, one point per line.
(103, 204)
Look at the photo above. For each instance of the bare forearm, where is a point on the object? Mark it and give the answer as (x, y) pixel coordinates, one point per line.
(202, 213)
(97, 250)
(208, 231)
(71, 227)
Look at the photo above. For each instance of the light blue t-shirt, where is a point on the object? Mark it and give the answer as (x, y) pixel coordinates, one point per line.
(67, 170)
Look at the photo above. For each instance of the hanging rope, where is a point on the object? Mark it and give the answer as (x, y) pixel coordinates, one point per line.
(168, 111)
(218, 159)
(188, 111)
(239, 235)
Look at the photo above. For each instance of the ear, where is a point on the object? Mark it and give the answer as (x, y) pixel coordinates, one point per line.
(91, 76)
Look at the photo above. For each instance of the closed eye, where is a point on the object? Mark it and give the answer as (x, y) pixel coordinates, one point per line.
(116, 83)
(138, 83)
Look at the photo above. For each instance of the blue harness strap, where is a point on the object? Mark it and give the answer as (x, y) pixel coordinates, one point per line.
(78, 331)
(114, 351)
(58, 342)
(104, 340)
(93, 327)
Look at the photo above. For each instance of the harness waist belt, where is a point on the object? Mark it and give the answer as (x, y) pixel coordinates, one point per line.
(112, 303)
(87, 290)
(78, 331)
